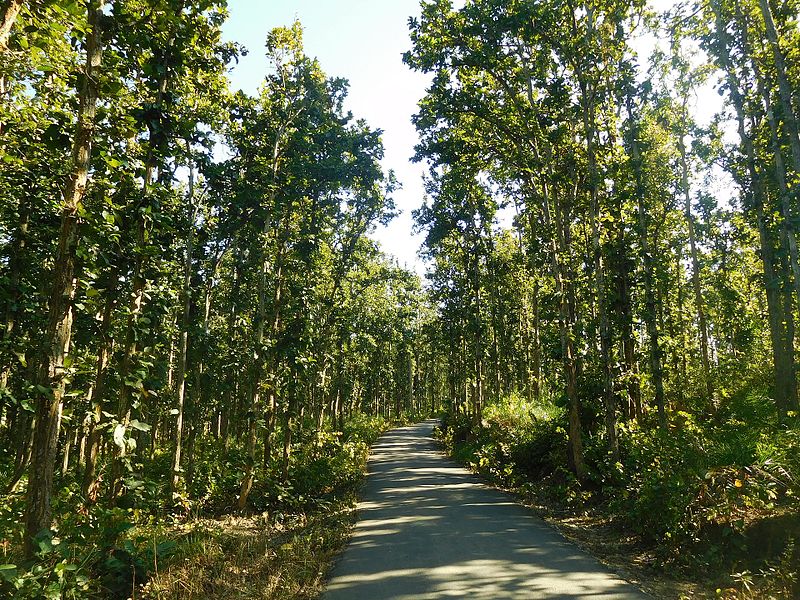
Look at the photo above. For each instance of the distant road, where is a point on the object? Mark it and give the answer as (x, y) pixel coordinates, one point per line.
(429, 529)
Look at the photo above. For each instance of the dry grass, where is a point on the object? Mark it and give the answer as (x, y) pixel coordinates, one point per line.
(283, 556)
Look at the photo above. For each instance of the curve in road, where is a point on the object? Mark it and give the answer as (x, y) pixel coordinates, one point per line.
(429, 529)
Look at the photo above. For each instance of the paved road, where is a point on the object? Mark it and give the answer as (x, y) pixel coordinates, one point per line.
(429, 529)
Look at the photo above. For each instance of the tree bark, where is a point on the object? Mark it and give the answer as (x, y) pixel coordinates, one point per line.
(784, 86)
(780, 167)
(9, 11)
(696, 285)
(651, 324)
(782, 346)
(560, 249)
(184, 335)
(16, 262)
(255, 389)
(90, 487)
(56, 343)
(609, 397)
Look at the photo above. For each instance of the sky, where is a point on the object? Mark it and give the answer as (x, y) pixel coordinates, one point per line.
(362, 41)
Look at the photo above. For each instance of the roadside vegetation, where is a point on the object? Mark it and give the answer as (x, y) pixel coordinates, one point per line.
(711, 505)
(612, 236)
(199, 338)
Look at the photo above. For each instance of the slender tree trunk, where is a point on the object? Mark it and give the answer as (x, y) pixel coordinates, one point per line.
(339, 402)
(780, 167)
(609, 397)
(16, 263)
(58, 334)
(131, 348)
(90, 485)
(477, 400)
(288, 425)
(696, 285)
(184, 334)
(784, 86)
(651, 324)
(139, 286)
(560, 250)
(255, 387)
(681, 360)
(9, 10)
(537, 348)
(782, 350)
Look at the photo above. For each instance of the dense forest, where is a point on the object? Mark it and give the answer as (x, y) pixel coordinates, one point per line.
(629, 341)
(196, 321)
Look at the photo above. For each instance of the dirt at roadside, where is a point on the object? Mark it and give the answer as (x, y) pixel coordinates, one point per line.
(620, 550)
(623, 553)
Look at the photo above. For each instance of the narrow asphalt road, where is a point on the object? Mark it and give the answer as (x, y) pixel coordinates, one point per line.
(429, 529)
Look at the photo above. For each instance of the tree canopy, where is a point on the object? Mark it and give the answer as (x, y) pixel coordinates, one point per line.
(196, 319)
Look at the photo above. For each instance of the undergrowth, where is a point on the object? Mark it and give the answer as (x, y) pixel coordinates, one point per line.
(152, 546)
(717, 500)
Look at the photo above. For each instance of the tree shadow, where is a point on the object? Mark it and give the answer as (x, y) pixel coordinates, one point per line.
(429, 529)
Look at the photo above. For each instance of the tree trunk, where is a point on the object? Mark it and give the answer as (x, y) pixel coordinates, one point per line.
(609, 397)
(127, 363)
(90, 487)
(784, 86)
(559, 252)
(56, 343)
(9, 10)
(656, 368)
(782, 350)
(696, 285)
(184, 334)
(288, 423)
(16, 262)
(780, 167)
(537, 347)
(255, 385)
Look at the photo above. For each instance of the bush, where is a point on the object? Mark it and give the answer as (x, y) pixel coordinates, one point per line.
(518, 440)
(101, 552)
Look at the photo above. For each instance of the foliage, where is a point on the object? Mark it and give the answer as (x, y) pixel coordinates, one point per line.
(195, 319)
(685, 492)
(282, 553)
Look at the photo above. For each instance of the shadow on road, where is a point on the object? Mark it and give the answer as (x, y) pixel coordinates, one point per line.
(429, 529)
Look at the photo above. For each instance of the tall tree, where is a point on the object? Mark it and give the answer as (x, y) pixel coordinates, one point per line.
(50, 380)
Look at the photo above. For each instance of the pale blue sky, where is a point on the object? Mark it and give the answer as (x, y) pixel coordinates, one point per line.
(362, 41)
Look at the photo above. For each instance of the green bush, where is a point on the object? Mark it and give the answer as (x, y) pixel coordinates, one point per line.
(104, 552)
(697, 486)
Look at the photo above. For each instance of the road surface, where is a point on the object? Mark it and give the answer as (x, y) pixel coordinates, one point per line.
(428, 529)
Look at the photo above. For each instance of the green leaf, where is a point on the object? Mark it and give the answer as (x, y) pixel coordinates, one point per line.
(138, 425)
(119, 436)
(63, 566)
(8, 572)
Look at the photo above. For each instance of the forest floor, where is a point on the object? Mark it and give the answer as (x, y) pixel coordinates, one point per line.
(621, 550)
(276, 557)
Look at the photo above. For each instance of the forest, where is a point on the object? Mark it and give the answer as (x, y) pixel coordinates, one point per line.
(200, 337)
